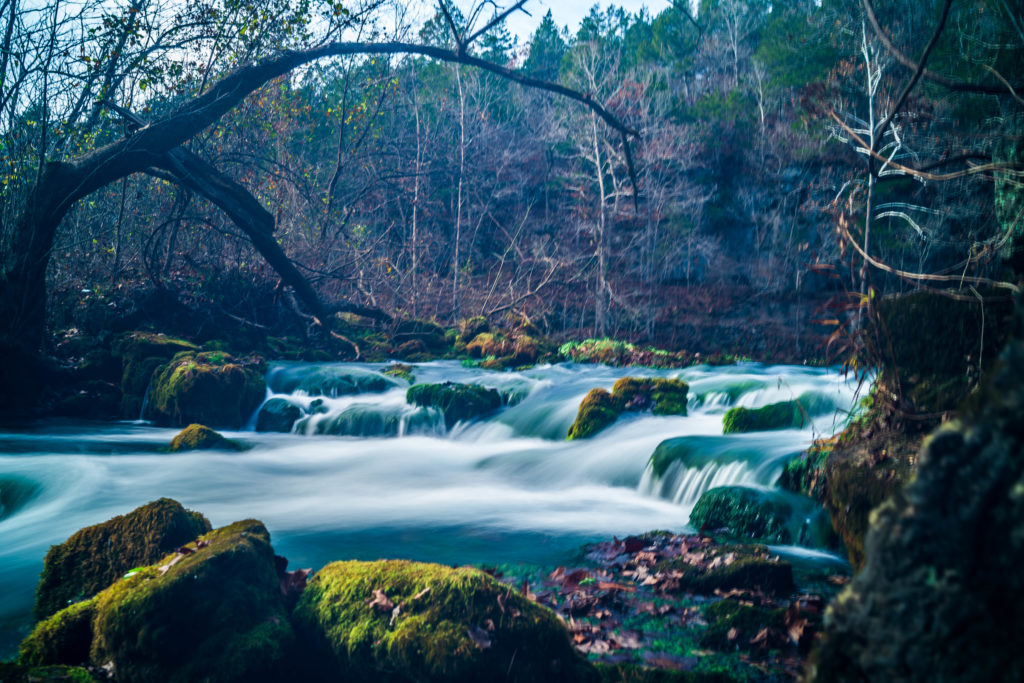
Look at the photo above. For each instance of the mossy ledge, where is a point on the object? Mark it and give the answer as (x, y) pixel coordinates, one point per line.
(599, 409)
(93, 557)
(437, 624)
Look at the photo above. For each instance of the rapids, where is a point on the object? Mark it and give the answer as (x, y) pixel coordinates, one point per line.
(370, 476)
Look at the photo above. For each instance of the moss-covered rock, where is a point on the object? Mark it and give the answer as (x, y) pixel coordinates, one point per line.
(64, 638)
(209, 387)
(214, 613)
(490, 345)
(405, 621)
(599, 409)
(784, 415)
(198, 437)
(93, 557)
(744, 513)
(941, 596)
(744, 568)
(277, 415)
(141, 353)
(469, 328)
(456, 401)
(429, 335)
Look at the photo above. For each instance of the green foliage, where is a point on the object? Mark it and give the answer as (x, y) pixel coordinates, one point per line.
(197, 437)
(452, 625)
(95, 556)
(547, 49)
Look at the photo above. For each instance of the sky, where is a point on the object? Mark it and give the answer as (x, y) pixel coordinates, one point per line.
(565, 12)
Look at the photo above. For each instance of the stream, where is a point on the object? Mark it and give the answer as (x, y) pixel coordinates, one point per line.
(370, 476)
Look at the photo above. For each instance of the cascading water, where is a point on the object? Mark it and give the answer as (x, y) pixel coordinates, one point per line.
(366, 475)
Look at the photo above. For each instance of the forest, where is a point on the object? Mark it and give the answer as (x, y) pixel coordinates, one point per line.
(682, 344)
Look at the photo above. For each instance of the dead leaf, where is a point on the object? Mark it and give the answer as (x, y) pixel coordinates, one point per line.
(610, 586)
(733, 632)
(427, 590)
(380, 601)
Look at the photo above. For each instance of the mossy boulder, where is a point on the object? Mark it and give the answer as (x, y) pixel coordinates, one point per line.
(597, 411)
(490, 345)
(141, 353)
(327, 380)
(209, 387)
(198, 437)
(600, 409)
(744, 513)
(401, 371)
(406, 621)
(456, 401)
(211, 611)
(469, 328)
(94, 557)
(784, 415)
(277, 415)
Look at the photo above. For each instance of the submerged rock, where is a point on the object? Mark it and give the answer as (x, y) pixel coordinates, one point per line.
(456, 401)
(409, 621)
(327, 380)
(15, 493)
(600, 409)
(93, 557)
(198, 437)
(277, 415)
(210, 387)
(213, 610)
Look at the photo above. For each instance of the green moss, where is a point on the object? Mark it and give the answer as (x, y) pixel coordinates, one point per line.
(745, 513)
(525, 350)
(93, 557)
(214, 614)
(452, 625)
(600, 409)
(64, 638)
(785, 415)
(277, 415)
(209, 388)
(456, 401)
(726, 615)
(197, 437)
(597, 410)
(620, 353)
(469, 328)
(401, 371)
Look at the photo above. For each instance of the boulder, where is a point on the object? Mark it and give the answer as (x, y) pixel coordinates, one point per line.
(456, 401)
(93, 557)
(197, 437)
(277, 415)
(327, 380)
(599, 409)
(407, 621)
(489, 345)
(744, 513)
(141, 353)
(209, 387)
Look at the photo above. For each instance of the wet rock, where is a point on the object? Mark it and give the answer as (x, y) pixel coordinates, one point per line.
(600, 409)
(426, 622)
(327, 380)
(277, 415)
(469, 328)
(141, 353)
(597, 410)
(744, 513)
(197, 437)
(209, 387)
(93, 557)
(489, 345)
(429, 335)
(456, 401)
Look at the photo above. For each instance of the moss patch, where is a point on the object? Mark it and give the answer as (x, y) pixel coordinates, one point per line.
(599, 409)
(141, 353)
(456, 401)
(452, 625)
(210, 387)
(732, 625)
(93, 557)
(745, 513)
(197, 437)
(401, 371)
(64, 638)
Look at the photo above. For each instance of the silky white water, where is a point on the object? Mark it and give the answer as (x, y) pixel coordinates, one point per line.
(505, 488)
